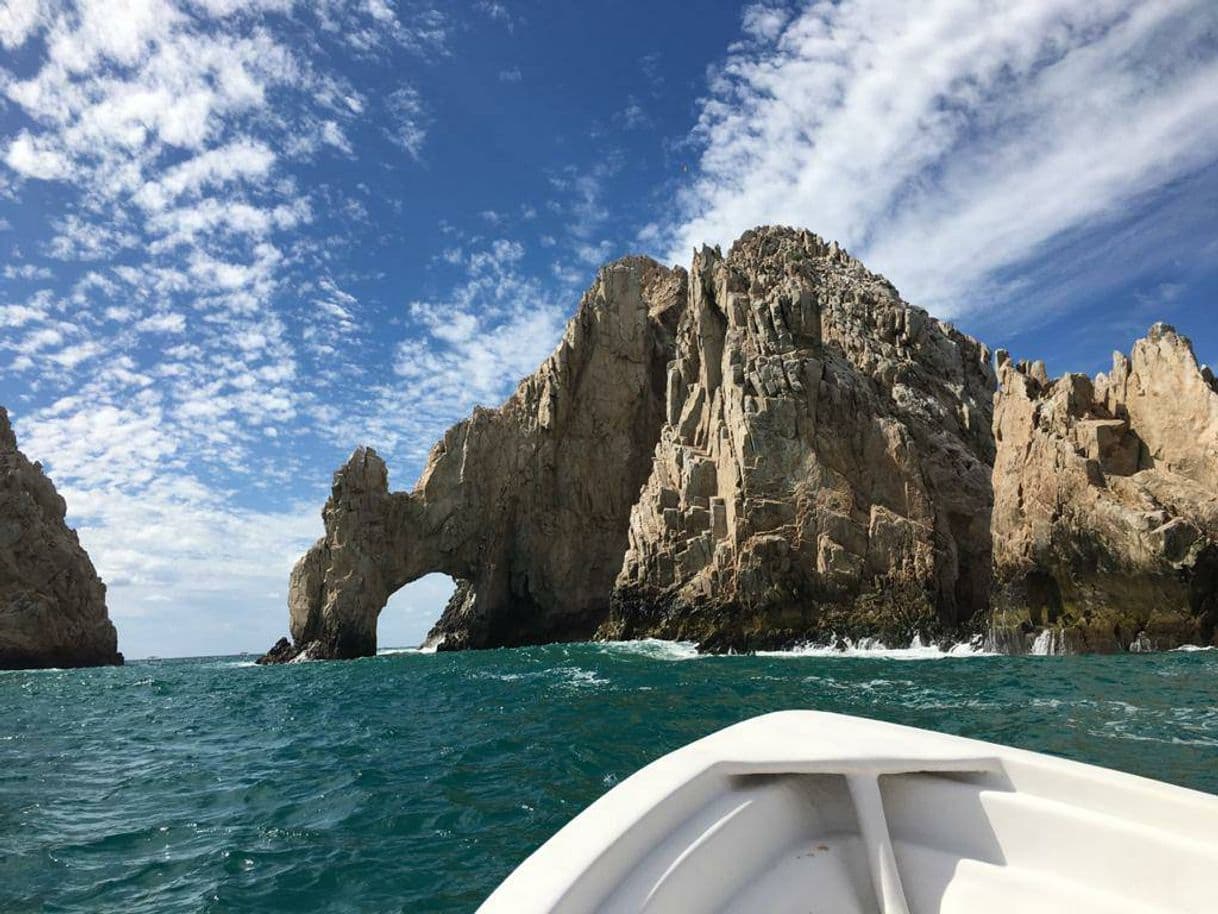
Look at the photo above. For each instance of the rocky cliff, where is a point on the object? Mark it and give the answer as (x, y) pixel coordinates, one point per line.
(1106, 503)
(52, 604)
(824, 465)
(775, 448)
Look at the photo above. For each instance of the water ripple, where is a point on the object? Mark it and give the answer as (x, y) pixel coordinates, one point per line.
(415, 782)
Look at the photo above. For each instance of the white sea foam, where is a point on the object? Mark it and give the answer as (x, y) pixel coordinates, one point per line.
(389, 651)
(656, 649)
(874, 648)
(1190, 648)
(581, 678)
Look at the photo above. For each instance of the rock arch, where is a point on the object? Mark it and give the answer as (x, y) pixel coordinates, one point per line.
(525, 506)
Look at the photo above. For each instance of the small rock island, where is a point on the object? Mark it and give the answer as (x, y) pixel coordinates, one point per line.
(52, 603)
(774, 448)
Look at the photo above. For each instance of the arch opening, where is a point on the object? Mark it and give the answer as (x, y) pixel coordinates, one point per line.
(412, 610)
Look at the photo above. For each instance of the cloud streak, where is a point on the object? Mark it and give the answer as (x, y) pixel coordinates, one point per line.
(947, 141)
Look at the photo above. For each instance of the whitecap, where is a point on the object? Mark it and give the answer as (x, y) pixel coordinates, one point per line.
(581, 678)
(874, 648)
(655, 649)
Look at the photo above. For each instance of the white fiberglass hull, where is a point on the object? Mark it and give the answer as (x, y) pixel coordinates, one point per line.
(802, 811)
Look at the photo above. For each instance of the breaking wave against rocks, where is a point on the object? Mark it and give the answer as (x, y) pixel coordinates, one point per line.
(416, 782)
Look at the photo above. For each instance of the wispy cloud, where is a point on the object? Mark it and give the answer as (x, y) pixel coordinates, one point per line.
(946, 141)
(470, 347)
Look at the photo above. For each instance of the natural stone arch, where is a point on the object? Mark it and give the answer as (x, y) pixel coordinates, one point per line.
(525, 506)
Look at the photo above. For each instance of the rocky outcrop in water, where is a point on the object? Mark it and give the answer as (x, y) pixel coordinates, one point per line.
(824, 465)
(1106, 503)
(52, 603)
(776, 448)
(526, 506)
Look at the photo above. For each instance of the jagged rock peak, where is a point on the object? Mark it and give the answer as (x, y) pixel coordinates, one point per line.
(1106, 502)
(52, 603)
(824, 463)
(8, 439)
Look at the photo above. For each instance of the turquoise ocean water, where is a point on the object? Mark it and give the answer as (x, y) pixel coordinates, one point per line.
(414, 782)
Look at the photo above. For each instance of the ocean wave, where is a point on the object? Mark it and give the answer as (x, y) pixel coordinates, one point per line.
(655, 649)
(876, 649)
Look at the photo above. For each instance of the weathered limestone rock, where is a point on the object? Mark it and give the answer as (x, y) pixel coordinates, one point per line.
(824, 466)
(776, 448)
(526, 506)
(1106, 503)
(52, 603)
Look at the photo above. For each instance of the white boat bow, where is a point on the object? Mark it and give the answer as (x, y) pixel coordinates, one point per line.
(803, 811)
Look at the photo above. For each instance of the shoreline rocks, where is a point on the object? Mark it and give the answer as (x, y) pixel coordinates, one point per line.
(775, 449)
(1106, 503)
(52, 603)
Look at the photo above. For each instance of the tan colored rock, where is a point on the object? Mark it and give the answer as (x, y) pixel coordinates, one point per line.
(824, 465)
(525, 506)
(776, 448)
(52, 603)
(1106, 503)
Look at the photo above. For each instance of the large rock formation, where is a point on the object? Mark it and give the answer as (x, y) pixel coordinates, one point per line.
(52, 604)
(1106, 503)
(525, 506)
(777, 448)
(824, 466)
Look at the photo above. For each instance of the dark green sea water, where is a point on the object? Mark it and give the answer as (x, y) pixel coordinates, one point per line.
(413, 782)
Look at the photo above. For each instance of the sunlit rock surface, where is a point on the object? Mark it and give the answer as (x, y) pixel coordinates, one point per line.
(824, 466)
(1106, 503)
(775, 448)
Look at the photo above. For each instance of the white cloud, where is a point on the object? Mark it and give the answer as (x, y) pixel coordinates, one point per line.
(18, 19)
(408, 120)
(764, 22)
(470, 347)
(193, 573)
(26, 271)
(32, 159)
(168, 322)
(946, 141)
(78, 239)
(239, 160)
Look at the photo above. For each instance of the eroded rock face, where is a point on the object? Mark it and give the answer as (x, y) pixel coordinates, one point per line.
(526, 506)
(1106, 503)
(824, 466)
(776, 448)
(52, 603)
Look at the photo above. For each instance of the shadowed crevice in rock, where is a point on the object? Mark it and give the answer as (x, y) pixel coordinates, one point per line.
(52, 603)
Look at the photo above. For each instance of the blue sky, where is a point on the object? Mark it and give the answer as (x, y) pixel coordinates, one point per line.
(239, 238)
